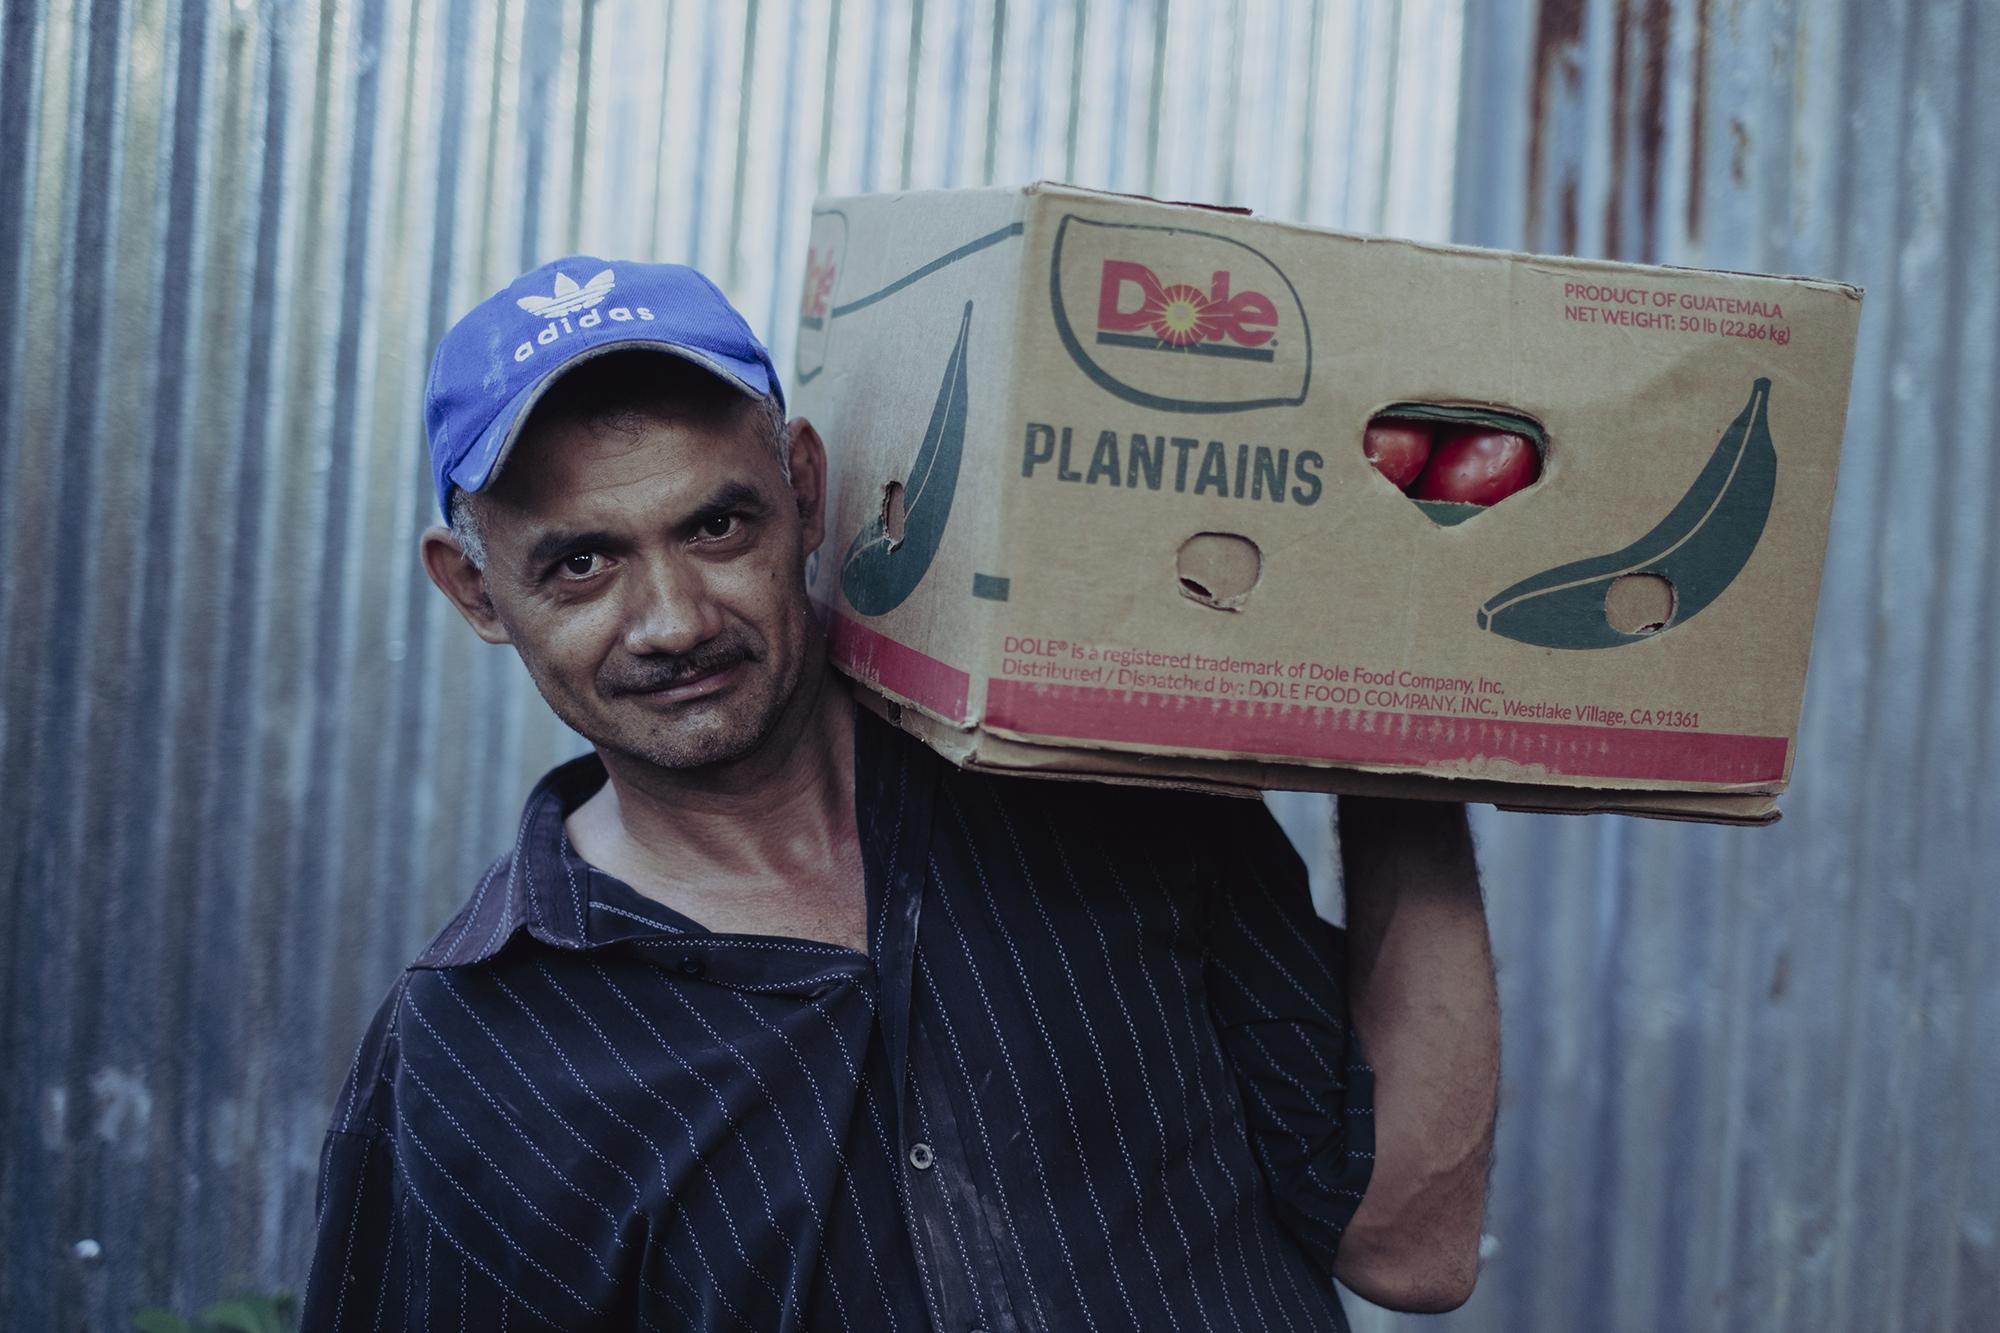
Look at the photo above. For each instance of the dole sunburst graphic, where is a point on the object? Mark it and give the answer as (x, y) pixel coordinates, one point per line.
(1134, 305)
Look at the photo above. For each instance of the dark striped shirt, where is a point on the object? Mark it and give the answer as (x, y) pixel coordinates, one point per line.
(1093, 1074)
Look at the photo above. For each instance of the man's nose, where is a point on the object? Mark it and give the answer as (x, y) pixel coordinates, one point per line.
(670, 609)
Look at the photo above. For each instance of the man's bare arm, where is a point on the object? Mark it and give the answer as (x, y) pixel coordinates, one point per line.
(1422, 995)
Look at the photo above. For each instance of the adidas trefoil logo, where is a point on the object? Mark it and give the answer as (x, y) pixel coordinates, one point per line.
(571, 297)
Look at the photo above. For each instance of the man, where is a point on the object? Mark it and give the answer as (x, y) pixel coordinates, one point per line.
(773, 1020)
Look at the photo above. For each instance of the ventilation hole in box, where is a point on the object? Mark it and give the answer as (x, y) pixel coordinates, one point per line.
(1218, 569)
(1639, 603)
(892, 513)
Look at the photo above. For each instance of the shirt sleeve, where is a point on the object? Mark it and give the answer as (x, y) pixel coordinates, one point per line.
(1277, 991)
(379, 1262)
(392, 1213)
(355, 1250)
(356, 1209)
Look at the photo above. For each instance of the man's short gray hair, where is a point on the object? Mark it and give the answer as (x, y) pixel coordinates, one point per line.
(464, 522)
(609, 390)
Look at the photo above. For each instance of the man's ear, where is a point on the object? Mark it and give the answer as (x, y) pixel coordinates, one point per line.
(809, 479)
(462, 581)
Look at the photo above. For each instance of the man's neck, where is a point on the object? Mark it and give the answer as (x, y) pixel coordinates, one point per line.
(751, 835)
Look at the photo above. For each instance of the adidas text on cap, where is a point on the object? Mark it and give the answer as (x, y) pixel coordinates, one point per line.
(495, 364)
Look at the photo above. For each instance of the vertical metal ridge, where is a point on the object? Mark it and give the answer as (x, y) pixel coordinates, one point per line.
(63, 844)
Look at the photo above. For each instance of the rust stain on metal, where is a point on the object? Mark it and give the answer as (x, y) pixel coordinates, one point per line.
(1558, 26)
(1638, 123)
(1656, 31)
(1695, 120)
(1614, 201)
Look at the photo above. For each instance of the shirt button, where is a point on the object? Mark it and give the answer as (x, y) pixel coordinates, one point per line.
(920, 1156)
(692, 965)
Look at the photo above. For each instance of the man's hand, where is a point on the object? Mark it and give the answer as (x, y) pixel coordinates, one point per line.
(1422, 996)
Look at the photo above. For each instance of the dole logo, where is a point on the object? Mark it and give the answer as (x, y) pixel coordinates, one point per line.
(826, 251)
(1135, 310)
(573, 298)
(1136, 327)
(817, 299)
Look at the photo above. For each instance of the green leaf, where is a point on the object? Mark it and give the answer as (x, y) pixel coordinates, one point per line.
(250, 1314)
(157, 1320)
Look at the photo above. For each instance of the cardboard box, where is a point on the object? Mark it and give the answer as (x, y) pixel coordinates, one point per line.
(1100, 506)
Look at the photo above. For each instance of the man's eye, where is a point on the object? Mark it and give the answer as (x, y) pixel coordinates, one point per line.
(579, 566)
(720, 526)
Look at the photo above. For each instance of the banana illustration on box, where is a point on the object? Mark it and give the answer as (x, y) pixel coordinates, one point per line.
(1699, 548)
(881, 571)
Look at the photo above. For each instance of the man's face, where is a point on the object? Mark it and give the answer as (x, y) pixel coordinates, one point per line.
(650, 572)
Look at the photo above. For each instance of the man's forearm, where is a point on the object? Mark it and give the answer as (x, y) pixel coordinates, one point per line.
(1421, 991)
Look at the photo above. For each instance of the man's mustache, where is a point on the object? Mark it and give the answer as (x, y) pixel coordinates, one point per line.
(665, 671)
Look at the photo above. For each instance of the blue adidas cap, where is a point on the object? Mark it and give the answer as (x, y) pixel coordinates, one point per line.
(495, 364)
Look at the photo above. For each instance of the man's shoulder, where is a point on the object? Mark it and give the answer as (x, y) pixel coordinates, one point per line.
(537, 885)
(361, 1107)
(474, 934)
(443, 996)
(481, 925)
(428, 1013)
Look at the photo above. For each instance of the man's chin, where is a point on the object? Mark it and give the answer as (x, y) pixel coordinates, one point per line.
(704, 734)
(697, 753)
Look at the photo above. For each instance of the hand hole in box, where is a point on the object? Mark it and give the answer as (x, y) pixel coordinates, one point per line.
(1218, 569)
(1639, 603)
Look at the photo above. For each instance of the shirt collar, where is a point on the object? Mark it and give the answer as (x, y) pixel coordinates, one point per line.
(541, 886)
(544, 888)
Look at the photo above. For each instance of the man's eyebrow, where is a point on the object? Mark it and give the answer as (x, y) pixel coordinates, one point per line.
(553, 544)
(729, 498)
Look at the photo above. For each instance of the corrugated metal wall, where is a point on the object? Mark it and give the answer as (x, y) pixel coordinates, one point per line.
(1751, 1077)
(251, 760)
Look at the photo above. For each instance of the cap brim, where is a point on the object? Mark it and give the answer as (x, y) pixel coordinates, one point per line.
(483, 461)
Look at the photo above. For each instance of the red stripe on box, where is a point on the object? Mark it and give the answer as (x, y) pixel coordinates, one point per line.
(1359, 736)
(901, 670)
